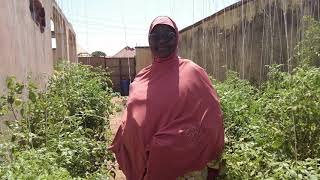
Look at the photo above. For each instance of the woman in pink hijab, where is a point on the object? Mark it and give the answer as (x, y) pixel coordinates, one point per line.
(172, 126)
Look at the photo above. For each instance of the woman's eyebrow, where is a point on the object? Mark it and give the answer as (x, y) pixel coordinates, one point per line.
(161, 31)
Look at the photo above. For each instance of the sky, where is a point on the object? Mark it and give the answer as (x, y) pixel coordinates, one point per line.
(110, 25)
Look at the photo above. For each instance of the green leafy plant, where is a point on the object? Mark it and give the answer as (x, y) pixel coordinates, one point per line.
(98, 54)
(291, 107)
(34, 164)
(273, 132)
(68, 123)
(307, 52)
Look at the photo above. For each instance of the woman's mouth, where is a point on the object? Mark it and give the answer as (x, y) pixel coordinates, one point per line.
(162, 49)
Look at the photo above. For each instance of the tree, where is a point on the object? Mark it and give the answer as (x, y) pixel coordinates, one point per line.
(98, 54)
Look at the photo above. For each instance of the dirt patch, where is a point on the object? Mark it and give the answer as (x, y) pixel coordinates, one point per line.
(115, 122)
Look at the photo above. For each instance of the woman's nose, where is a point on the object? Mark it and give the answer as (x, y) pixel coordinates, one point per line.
(162, 40)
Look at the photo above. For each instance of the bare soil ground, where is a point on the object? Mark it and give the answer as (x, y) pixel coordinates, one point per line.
(115, 121)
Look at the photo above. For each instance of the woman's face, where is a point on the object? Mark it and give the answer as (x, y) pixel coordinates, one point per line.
(162, 40)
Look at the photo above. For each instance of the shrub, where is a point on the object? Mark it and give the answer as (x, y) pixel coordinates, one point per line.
(68, 121)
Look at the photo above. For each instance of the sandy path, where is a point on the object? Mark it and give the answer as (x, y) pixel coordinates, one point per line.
(115, 121)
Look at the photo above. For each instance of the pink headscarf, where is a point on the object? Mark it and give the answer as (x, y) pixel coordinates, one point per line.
(172, 124)
(167, 21)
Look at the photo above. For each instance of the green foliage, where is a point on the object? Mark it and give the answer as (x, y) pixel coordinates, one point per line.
(68, 123)
(249, 160)
(118, 108)
(33, 164)
(237, 100)
(273, 131)
(308, 50)
(291, 103)
(98, 54)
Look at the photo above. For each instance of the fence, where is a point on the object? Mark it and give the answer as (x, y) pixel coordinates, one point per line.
(119, 68)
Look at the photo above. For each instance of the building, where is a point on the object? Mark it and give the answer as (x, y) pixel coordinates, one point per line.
(34, 34)
(143, 57)
(121, 65)
(247, 36)
(81, 52)
(126, 52)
